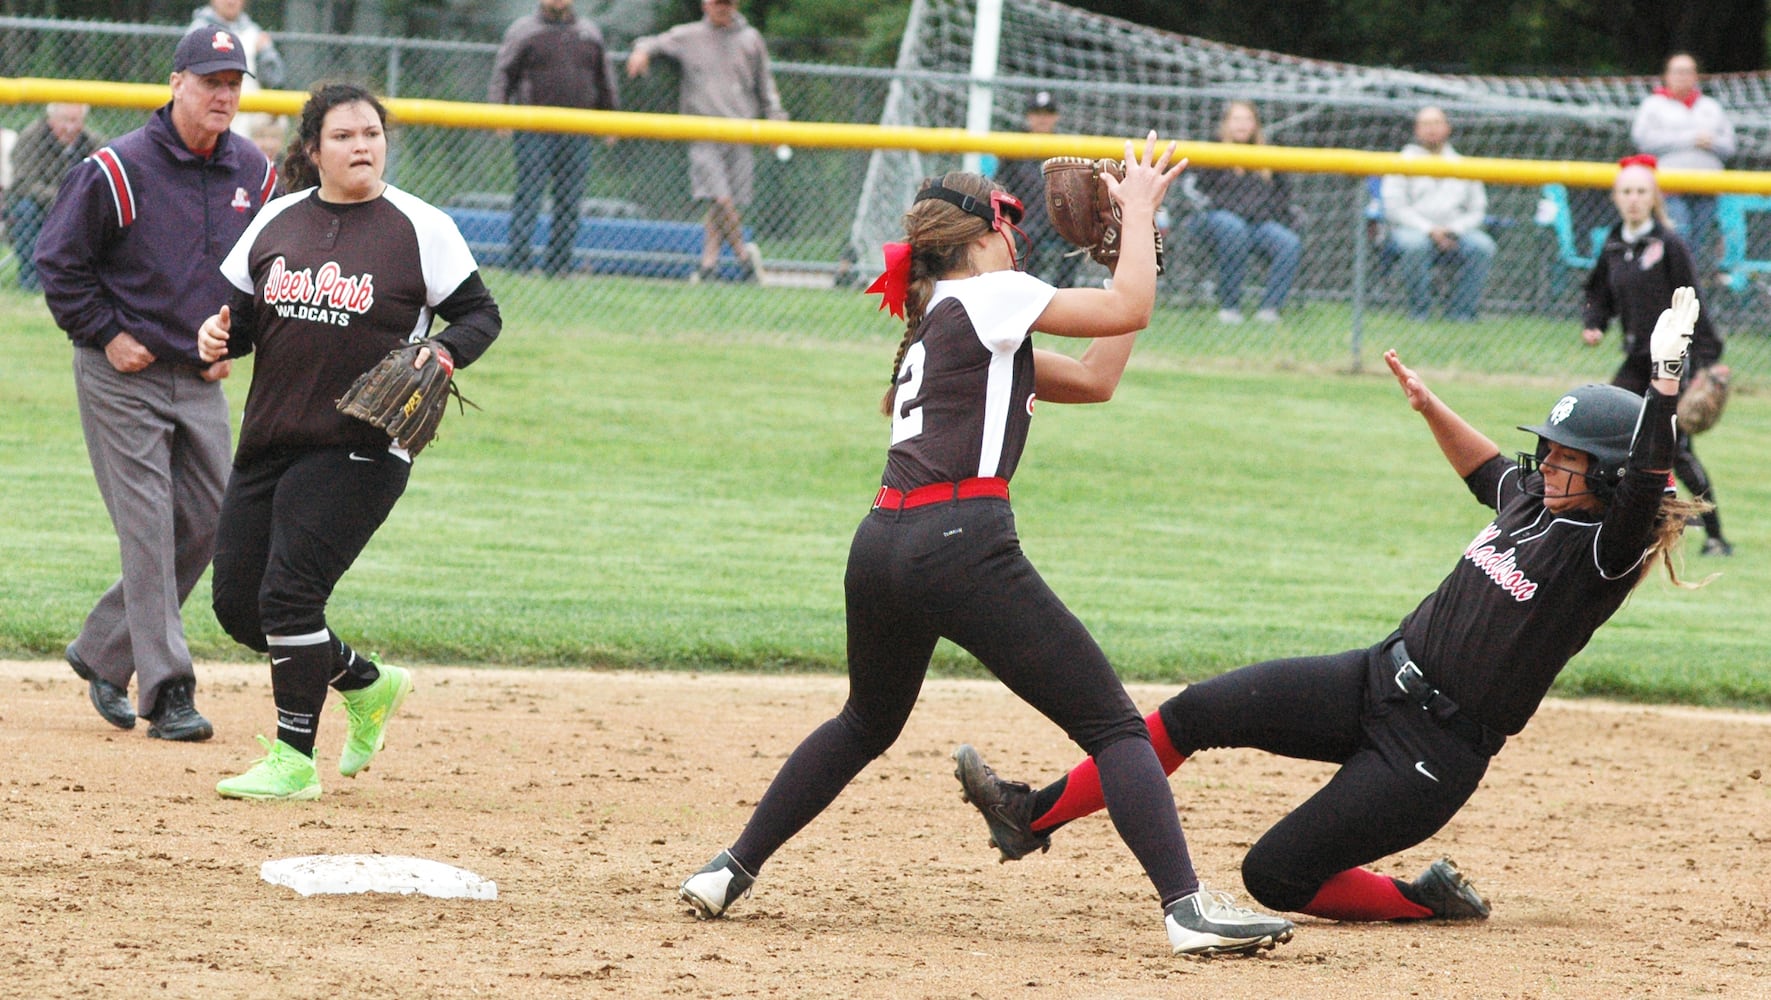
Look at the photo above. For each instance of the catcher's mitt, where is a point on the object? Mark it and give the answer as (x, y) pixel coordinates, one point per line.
(1081, 210)
(406, 402)
(1700, 405)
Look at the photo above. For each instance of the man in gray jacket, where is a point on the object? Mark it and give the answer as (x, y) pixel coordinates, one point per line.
(551, 57)
(726, 74)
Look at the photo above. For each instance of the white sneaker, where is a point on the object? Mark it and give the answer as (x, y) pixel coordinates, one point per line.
(1229, 316)
(1267, 315)
(1207, 923)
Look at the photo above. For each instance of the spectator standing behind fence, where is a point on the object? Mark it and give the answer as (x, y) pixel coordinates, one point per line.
(1641, 263)
(1243, 212)
(555, 58)
(130, 259)
(264, 64)
(47, 149)
(1048, 256)
(1436, 219)
(725, 68)
(1685, 130)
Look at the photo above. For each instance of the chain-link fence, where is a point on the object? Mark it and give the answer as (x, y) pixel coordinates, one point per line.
(640, 232)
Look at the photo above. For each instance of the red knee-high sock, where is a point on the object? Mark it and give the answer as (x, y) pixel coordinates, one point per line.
(1081, 792)
(1360, 895)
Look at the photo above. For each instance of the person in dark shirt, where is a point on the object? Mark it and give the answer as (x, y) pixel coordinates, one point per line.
(555, 58)
(1049, 257)
(1246, 212)
(326, 282)
(47, 149)
(1642, 261)
(1414, 720)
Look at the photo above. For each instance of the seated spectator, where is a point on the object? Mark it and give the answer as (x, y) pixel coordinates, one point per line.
(47, 149)
(1438, 219)
(1244, 212)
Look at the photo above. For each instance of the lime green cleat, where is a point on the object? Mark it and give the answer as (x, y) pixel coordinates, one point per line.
(369, 709)
(282, 774)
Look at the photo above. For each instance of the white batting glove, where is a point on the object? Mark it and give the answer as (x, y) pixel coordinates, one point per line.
(1672, 334)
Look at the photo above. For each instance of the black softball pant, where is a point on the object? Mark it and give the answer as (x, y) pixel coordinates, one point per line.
(291, 525)
(956, 571)
(1402, 775)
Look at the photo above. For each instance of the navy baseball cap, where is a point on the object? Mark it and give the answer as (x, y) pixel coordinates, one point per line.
(210, 50)
(1042, 100)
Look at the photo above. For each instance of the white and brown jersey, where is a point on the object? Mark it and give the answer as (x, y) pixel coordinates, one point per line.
(965, 389)
(324, 290)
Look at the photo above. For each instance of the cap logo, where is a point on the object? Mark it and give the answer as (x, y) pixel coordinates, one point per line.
(1562, 409)
(223, 42)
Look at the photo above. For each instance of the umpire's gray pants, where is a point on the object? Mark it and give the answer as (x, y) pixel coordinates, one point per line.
(158, 440)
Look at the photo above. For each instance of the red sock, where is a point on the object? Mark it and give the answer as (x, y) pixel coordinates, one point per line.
(1360, 895)
(1082, 787)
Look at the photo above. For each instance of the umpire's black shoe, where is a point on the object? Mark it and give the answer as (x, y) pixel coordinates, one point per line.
(1007, 805)
(175, 718)
(111, 701)
(1451, 896)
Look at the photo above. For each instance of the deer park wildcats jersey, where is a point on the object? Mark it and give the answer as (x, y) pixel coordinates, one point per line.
(328, 289)
(965, 388)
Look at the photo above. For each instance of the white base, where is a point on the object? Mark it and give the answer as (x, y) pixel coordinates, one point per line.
(354, 873)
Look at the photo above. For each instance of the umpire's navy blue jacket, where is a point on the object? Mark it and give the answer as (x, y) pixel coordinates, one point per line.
(137, 234)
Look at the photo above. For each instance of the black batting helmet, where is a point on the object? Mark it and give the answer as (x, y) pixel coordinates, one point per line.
(1599, 420)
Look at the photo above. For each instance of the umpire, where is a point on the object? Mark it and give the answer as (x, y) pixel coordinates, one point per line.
(130, 259)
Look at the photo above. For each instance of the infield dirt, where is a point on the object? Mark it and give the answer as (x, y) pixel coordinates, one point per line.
(1626, 851)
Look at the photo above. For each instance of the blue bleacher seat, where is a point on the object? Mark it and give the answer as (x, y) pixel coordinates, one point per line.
(649, 248)
(1555, 214)
(1736, 262)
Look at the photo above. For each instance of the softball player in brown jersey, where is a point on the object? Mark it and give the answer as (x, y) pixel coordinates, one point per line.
(1414, 719)
(938, 556)
(326, 281)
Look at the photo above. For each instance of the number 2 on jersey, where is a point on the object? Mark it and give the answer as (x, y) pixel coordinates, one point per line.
(907, 423)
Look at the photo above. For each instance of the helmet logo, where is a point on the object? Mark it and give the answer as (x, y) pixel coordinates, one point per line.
(1562, 409)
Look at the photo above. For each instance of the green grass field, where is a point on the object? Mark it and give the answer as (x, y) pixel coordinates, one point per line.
(640, 496)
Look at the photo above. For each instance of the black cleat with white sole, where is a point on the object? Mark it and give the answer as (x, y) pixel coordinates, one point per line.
(720, 884)
(1207, 923)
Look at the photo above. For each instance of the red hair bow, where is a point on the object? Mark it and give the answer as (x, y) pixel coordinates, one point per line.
(894, 283)
(1640, 160)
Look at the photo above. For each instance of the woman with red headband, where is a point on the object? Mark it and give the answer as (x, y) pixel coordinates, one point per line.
(937, 557)
(1642, 261)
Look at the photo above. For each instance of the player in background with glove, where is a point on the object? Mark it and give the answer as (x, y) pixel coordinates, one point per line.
(327, 281)
(1413, 720)
(1642, 261)
(938, 556)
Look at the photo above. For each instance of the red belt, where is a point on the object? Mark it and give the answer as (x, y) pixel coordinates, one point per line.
(967, 489)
